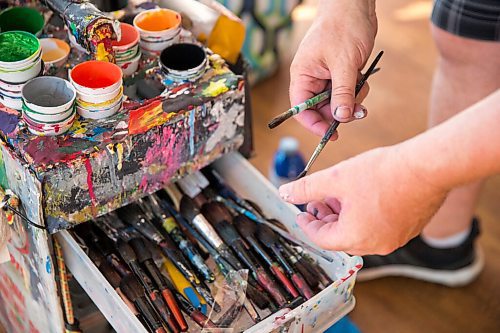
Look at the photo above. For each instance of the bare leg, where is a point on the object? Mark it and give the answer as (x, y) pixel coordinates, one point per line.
(468, 70)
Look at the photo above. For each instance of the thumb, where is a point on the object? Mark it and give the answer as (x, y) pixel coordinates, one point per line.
(316, 186)
(343, 89)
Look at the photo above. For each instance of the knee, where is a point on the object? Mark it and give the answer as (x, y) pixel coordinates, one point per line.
(460, 52)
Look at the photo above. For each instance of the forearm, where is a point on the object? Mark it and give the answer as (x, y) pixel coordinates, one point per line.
(461, 150)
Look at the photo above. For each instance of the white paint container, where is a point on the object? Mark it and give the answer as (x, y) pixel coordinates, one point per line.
(96, 77)
(129, 67)
(100, 114)
(55, 52)
(158, 29)
(27, 48)
(15, 103)
(48, 105)
(183, 62)
(83, 98)
(21, 74)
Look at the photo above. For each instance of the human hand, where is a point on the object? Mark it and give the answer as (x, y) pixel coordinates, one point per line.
(370, 204)
(331, 56)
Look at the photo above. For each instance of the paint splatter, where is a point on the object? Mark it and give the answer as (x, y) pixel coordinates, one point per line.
(215, 88)
(90, 183)
(48, 265)
(191, 132)
(8, 122)
(147, 117)
(119, 152)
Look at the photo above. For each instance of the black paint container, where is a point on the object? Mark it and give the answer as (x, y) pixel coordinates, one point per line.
(183, 62)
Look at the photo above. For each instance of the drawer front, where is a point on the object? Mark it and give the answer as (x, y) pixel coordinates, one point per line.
(315, 315)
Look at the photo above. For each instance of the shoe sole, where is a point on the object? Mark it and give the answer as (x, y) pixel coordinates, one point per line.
(455, 278)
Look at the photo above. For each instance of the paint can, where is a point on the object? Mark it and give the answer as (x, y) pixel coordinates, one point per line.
(10, 93)
(48, 105)
(99, 88)
(22, 19)
(55, 52)
(183, 62)
(20, 56)
(158, 29)
(127, 52)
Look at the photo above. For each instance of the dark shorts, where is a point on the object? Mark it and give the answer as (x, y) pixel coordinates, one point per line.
(477, 19)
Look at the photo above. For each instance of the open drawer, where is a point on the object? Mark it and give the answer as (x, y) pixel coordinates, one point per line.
(314, 315)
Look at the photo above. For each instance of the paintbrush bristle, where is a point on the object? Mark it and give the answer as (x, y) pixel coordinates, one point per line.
(278, 120)
(131, 288)
(302, 174)
(110, 274)
(245, 226)
(266, 235)
(214, 213)
(140, 248)
(227, 232)
(188, 209)
(126, 252)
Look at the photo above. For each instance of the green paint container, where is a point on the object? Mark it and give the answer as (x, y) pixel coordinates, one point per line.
(22, 19)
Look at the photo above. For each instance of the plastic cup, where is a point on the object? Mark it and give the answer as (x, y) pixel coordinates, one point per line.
(55, 52)
(183, 62)
(158, 29)
(22, 19)
(130, 38)
(96, 77)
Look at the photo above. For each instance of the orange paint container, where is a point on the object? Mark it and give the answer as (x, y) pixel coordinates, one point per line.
(158, 29)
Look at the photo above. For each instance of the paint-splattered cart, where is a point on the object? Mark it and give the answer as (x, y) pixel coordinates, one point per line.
(102, 165)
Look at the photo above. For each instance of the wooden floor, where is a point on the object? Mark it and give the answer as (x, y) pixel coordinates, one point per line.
(397, 107)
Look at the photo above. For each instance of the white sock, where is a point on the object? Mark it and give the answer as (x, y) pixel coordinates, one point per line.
(447, 242)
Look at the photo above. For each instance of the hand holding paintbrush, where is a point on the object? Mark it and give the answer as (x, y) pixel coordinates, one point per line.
(316, 100)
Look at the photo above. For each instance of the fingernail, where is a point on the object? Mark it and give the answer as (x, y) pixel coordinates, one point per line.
(315, 212)
(302, 214)
(360, 114)
(343, 112)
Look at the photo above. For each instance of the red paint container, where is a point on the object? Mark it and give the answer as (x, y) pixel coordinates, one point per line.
(98, 88)
(96, 77)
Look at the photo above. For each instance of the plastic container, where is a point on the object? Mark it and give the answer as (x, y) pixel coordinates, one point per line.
(288, 162)
(11, 93)
(183, 62)
(96, 77)
(20, 56)
(158, 29)
(22, 19)
(55, 52)
(101, 114)
(129, 67)
(48, 105)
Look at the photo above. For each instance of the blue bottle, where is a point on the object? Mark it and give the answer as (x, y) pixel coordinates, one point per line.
(288, 162)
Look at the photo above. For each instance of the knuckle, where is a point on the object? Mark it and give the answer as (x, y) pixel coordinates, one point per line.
(343, 90)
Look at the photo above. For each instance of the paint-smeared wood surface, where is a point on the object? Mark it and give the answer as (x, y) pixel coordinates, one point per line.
(102, 165)
(395, 304)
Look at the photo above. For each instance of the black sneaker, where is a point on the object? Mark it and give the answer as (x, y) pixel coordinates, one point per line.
(452, 267)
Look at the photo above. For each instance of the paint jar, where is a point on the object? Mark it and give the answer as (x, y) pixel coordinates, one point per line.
(10, 93)
(22, 19)
(99, 88)
(183, 62)
(20, 56)
(55, 52)
(127, 52)
(48, 105)
(158, 29)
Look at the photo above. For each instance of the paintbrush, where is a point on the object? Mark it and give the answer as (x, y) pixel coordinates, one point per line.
(247, 229)
(197, 316)
(169, 224)
(214, 213)
(295, 110)
(183, 286)
(114, 280)
(134, 216)
(134, 291)
(145, 257)
(335, 123)
(281, 232)
(308, 274)
(271, 241)
(192, 214)
(97, 240)
(129, 256)
(224, 267)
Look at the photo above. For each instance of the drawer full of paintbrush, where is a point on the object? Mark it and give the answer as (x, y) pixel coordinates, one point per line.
(304, 312)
